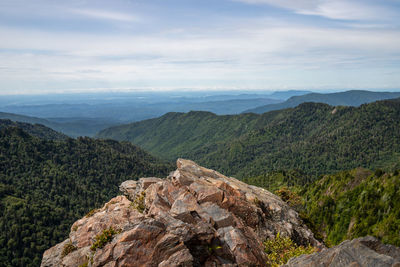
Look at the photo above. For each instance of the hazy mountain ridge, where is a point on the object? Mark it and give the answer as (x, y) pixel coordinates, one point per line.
(72, 127)
(75, 117)
(87, 114)
(348, 98)
(316, 138)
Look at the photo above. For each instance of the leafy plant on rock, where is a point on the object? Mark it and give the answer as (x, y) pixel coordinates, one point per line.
(102, 239)
(281, 249)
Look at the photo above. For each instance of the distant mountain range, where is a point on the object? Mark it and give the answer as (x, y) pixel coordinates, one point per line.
(137, 110)
(86, 119)
(349, 98)
(284, 95)
(75, 118)
(72, 127)
(317, 138)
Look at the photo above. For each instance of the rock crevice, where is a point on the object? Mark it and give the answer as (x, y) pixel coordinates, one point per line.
(194, 217)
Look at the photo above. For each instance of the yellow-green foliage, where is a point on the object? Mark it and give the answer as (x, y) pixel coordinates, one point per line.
(68, 248)
(281, 249)
(102, 239)
(290, 197)
(138, 203)
(85, 264)
(92, 212)
(214, 248)
(355, 203)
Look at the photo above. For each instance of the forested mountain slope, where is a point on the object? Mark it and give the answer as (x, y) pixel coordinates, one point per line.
(37, 130)
(46, 185)
(356, 203)
(174, 134)
(349, 98)
(316, 138)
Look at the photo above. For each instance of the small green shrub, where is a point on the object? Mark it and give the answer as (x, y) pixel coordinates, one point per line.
(92, 212)
(102, 239)
(290, 197)
(138, 203)
(85, 264)
(214, 248)
(68, 248)
(281, 249)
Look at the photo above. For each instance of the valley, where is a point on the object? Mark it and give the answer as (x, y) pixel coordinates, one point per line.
(322, 159)
(178, 133)
(313, 137)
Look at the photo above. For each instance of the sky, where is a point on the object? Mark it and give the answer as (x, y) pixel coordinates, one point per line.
(55, 46)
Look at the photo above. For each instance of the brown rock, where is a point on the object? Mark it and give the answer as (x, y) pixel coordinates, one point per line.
(206, 193)
(195, 217)
(117, 213)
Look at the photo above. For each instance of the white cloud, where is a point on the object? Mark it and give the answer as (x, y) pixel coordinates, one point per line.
(347, 10)
(288, 4)
(333, 9)
(266, 56)
(103, 14)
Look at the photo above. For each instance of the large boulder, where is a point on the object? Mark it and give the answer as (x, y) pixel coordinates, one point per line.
(194, 217)
(365, 251)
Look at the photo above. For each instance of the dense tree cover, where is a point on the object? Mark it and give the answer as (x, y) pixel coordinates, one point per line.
(38, 130)
(275, 180)
(46, 185)
(174, 134)
(316, 138)
(355, 203)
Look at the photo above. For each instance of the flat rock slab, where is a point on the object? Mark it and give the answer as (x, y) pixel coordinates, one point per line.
(361, 252)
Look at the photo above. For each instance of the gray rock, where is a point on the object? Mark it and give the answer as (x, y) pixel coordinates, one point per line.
(128, 188)
(365, 251)
(52, 257)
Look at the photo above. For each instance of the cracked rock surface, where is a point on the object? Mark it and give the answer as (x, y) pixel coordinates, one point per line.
(361, 252)
(194, 217)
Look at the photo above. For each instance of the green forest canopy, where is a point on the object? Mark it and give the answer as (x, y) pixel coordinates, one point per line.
(46, 185)
(316, 138)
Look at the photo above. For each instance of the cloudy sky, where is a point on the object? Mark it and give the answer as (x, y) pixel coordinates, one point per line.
(97, 45)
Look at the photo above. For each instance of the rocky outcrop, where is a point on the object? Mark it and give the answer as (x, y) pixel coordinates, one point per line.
(365, 252)
(194, 217)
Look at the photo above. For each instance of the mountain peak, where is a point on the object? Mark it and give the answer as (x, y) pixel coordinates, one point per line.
(194, 217)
